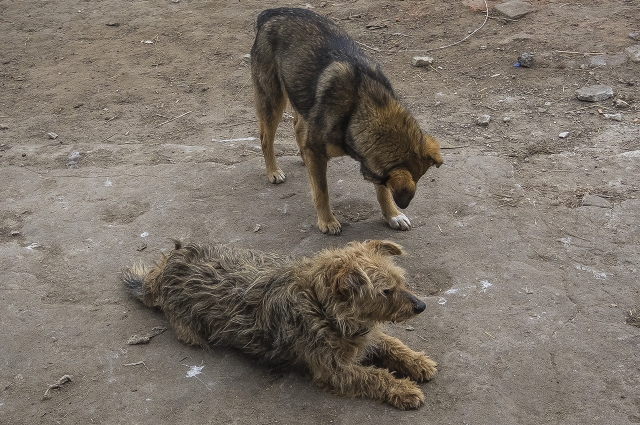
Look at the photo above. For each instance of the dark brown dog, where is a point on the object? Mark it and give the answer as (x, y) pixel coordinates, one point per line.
(343, 104)
(321, 314)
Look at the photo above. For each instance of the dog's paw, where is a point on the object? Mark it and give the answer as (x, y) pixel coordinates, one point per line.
(399, 222)
(331, 227)
(423, 369)
(276, 176)
(406, 395)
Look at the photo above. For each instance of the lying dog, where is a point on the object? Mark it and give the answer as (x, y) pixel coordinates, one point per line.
(343, 105)
(321, 314)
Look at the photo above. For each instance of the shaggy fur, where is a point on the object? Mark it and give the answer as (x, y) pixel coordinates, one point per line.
(343, 105)
(322, 314)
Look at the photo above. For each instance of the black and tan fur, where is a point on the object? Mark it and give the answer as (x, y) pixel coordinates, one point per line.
(321, 314)
(343, 105)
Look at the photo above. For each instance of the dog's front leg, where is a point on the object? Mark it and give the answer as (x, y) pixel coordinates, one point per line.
(371, 382)
(391, 214)
(393, 354)
(317, 168)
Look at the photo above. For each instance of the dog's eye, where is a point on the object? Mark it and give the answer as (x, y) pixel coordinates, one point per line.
(386, 292)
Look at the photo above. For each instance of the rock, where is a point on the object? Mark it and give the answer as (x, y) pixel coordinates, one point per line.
(633, 52)
(422, 61)
(475, 4)
(74, 158)
(595, 201)
(635, 35)
(506, 119)
(526, 60)
(594, 93)
(606, 60)
(52, 135)
(4, 127)
(614, 117)
(563, 135)
(515, 9)
(483, 120)
(621, 104)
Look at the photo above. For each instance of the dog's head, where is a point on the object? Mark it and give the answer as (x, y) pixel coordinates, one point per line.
(402, 179)
(366, 287)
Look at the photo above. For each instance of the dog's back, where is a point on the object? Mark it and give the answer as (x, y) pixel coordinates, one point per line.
(216, 294)
(295, 48)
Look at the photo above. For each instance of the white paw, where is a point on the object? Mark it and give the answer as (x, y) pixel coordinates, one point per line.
(276, 176)
(399, 222)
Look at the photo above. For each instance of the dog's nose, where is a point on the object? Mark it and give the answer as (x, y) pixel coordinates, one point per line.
(419, 307)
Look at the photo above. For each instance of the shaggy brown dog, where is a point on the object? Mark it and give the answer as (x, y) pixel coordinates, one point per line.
(322, 314)
(343, 105)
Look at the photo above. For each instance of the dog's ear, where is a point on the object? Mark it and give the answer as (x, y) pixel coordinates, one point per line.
(432, 151)
(346, 276)
(384, 247)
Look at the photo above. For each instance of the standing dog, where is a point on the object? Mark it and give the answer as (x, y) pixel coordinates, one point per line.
(343, 104)
(321, 314)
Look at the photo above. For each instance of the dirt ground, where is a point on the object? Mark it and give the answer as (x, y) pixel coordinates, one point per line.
(525, 245)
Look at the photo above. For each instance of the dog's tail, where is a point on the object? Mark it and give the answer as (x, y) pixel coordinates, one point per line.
(133, 279)
(140, 280)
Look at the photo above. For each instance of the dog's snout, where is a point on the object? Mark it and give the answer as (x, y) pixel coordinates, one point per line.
(402, 199)
(418, 307)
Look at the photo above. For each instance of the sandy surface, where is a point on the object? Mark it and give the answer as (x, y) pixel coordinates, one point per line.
(528, 289)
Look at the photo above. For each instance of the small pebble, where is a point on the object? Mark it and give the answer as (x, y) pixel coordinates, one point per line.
(526, 59)
(15, 233)
(52, 135)
(483, 120)
(614, 117)
(422, 61)
(409, 328)
(563, 135)
(506, 119)
(4, 127)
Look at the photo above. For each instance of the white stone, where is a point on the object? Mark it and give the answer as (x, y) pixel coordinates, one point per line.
(633, 52)
(515, 9)
(594, 93)
(422, 61)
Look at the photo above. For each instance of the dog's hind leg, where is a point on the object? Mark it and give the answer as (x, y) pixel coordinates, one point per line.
(392, 215)
(301, 128)
(270, 103)
(393, 354)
